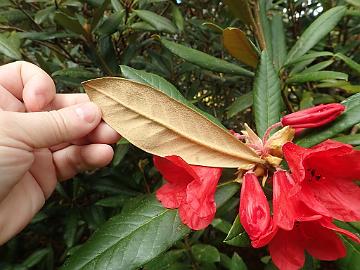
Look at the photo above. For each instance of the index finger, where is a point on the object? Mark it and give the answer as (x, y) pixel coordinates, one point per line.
(28, 83)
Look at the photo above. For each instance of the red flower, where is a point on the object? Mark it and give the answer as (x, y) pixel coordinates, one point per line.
(313, 117)
(300, 228)
(254, 211)
(317, 237)
(324, 178)
(189, 188)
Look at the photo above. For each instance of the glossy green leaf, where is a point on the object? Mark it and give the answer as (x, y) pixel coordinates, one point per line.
(315, 32)
(71, 223)
(346, 120)
(205, 253)
(266, 26)
(352, 259)
(348, 87)
(120, 152)
(160, 23)
(317, 76)
(221, 225)
(9, 46)
(43, 14)
(311, 56)
(237, 263)
(99, 13)
(349, 139)
(129, 240)
(267, 95)
(73, 76)
(177, 17)
(143, 26)
(69, 23)
(225, 192)
(160, 83)
(111, 24)
(35, 258)
(204, 60)
(237, 235)
(241, 103)
(319, 66)
(279, 50)
(113, 201)
(117, 5)
(350, 62)
(169, 260)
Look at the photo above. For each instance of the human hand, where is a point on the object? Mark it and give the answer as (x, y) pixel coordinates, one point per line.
(44, 137)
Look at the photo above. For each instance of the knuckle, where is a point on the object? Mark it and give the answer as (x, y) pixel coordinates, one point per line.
(59, 124)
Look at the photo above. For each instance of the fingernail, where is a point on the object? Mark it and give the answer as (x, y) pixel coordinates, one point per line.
(87, 111)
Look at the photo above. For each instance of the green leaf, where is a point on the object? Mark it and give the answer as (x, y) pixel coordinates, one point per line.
(71, 223)
(10, 46)
(351, 63)
(177, 17)
(113, 201)
(166, 87)
(319, 66)
(349, 139)
(278, 40)
(306, 100)
(241, 103)
(205, 253)
(346, 120)
(315, 32)
(352, 259)
(204, 60)
(317, 76)
(73, 76)
(265, 25)
(348, 87)
(35, 258)
(311, 56)
(127, 241)
(237, 263)
(167, 261)
(117, 5)
(43, 14)
(120, 152)
(224, 193)
(69, 23)
(237, 235)
(111, 24)
(267, 95)
(160, 23)
(221, 225)
(99, 13)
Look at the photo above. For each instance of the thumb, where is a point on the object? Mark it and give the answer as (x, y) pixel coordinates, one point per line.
(45, 129)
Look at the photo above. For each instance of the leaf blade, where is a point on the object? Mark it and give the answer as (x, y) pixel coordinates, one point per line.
(160, 125)
(315, 32)
(267, 96)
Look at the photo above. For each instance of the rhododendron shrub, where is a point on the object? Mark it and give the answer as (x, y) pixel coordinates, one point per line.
(318, 187)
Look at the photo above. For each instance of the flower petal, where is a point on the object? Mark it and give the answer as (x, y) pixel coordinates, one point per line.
(171, 196)
(335, 198)
(321, 242)
(326, 222)
(254, 211)
(198, 209)
(287, 251)
(284, 212)
(174, 169)
(294, 156)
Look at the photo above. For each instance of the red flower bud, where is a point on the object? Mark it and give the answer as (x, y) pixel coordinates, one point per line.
(313, 117)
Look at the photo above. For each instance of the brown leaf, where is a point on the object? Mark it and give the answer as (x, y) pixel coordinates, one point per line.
(236, 42)
(162, 126)
(240, 8)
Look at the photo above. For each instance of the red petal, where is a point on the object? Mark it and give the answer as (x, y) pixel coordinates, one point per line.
(326, 222)
(284, 213)
(321, 242)
(287, 251)
(265, 238)
(254, 211)
(294, 156)
(171, 196)
(198, 209)
(174, 169)
(336, 198)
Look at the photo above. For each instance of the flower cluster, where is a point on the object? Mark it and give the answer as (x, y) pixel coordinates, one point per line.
(318, 188)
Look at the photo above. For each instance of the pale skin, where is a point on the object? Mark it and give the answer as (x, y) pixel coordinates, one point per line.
(44, 138)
